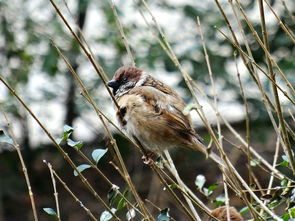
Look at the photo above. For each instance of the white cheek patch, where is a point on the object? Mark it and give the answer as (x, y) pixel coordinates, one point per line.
(142, 79)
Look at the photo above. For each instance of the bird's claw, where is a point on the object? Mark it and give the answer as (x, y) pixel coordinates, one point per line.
(148, 158)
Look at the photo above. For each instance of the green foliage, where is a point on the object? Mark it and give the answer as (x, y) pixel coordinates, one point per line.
(4, 138)
(81, 168)
(200, 182)
(220, 200)
(164, 215)
(50, 211)
(98, 153)
(106, 215)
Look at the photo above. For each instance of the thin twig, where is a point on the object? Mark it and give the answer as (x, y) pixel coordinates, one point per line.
(23, 164)
(288, 148)
(54, 189)
(64, 154)
(88, 212)
(121, 30)
(181, 184)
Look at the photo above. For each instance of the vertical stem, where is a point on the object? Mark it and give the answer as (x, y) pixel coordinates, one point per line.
(24, 168)
(284, 133)
(54, 189)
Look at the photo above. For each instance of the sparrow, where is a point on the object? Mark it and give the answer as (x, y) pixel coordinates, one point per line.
(152, 113)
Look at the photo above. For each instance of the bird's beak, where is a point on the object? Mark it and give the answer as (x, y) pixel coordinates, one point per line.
(114, 84)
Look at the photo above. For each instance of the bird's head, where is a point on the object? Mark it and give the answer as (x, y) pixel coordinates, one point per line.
(125, 78)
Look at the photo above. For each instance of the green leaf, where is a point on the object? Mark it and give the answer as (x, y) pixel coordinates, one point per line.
(173, 186)
(200, 181)
(292, 212)
(50, 211)
(68, 130)
(244, 210)
(98, 153)
(284, 182)
(220, 200)
(106, 215)
(275, 203)
(121, 204)
(285, 217)
(159, 162)
(283, 163)
(113, 192)
(130, 214)
(212, 188)
(81, 168)
(4, 138)
(76, 144)
(285, 158)
(59, 140)
(164, 215)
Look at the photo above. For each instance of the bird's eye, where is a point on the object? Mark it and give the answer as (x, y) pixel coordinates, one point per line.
(124, 79)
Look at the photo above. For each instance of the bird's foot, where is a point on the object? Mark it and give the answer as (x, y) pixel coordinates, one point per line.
(148, 158)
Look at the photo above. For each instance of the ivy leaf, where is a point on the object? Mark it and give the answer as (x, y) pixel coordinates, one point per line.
(220, 200)
(212, 188)
(98, 153)
(106, 215)
(75, 144)
(164, 215)
(244, 210)
(68, 130)
(81, 168)
(122, 203)
(285, 161)
(50, 211)
(285, 217)
(130, 214)
(200, 181)
(4, 138)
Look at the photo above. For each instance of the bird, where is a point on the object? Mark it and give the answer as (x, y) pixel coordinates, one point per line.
(221, 214)
(152, 115)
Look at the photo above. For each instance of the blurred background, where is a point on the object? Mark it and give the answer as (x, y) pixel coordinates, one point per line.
(32, 66)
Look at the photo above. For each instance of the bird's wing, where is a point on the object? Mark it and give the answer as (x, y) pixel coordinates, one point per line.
(168, 106)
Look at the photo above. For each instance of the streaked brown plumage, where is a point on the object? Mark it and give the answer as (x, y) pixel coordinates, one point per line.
(221, 214)
(151, 112)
